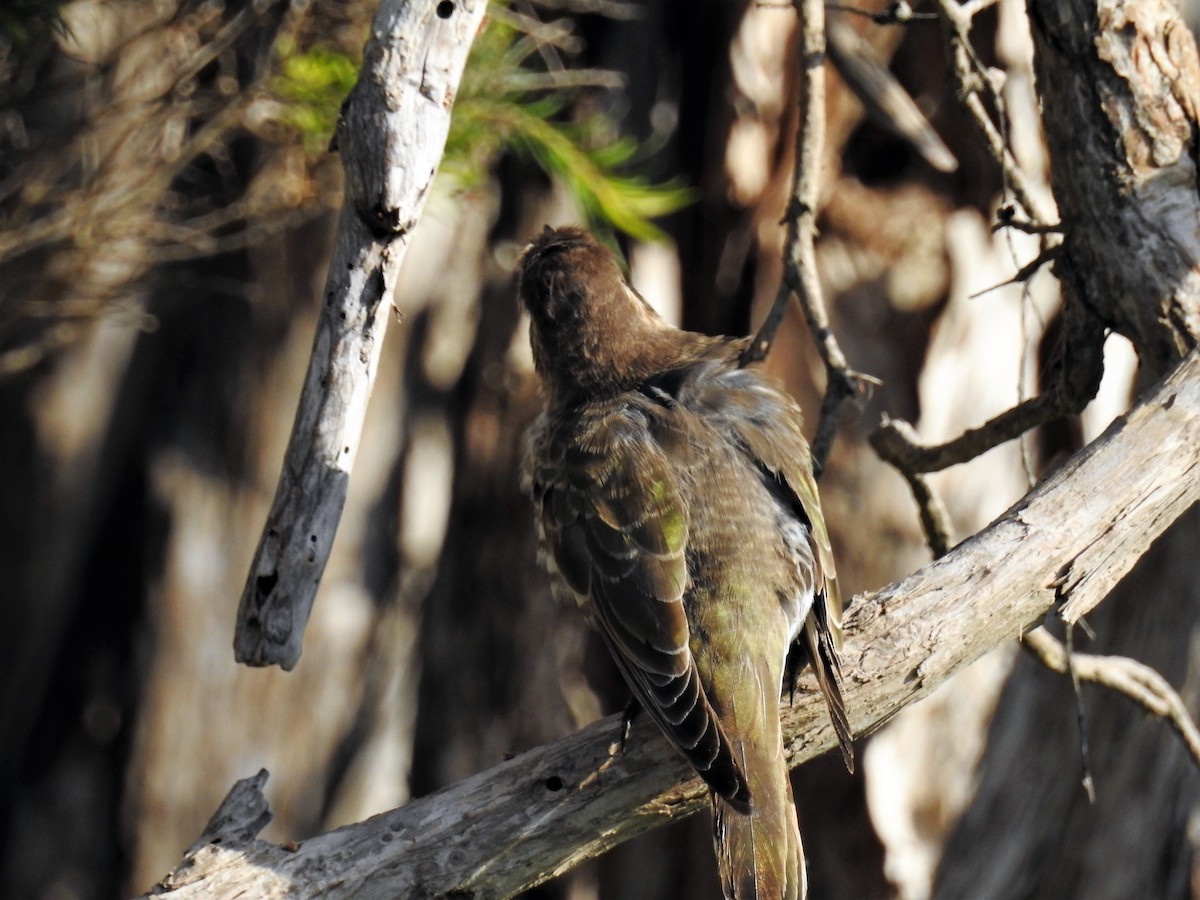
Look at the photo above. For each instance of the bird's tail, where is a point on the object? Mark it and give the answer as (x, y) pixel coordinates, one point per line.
(759, 855)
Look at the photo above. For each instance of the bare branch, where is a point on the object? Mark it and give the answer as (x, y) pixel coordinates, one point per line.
(610, 9)
(392, 133)
(1085, 755)
(1006, 217)
(896, 442)
(1079, 366)
(800, 260)
(1135, 680)
(898, 13)
(884, 98)
(1026, 272)
(563, 78)
(935, 521)
(972, 79)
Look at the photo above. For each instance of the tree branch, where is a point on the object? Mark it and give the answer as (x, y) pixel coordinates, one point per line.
(884, 99)
(800, 258)
(528, 819)
(897, 443)
(1135, 680)
(971, 79)
(898, 13)
(391, 135)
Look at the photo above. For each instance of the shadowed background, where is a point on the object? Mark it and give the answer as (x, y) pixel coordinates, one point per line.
(166, 212)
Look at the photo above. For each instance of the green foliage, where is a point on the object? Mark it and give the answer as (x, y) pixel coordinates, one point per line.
(508, 100)
(312, 85)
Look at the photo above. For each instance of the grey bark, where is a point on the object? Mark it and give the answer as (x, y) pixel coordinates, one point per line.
(391, 135)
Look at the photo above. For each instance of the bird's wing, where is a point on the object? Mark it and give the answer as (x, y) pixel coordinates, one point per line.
(766, 425)
(617, 527)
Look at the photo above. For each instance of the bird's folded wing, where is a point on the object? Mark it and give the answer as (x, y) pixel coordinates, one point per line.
(617, 527)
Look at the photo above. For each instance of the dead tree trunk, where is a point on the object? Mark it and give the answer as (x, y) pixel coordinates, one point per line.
(1120, 84)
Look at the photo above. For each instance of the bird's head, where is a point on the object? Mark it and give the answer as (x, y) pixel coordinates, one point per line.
(592, 333)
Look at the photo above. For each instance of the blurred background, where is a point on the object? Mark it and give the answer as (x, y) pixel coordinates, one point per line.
(167, 206)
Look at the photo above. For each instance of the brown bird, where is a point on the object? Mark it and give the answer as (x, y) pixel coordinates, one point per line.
(675, 499)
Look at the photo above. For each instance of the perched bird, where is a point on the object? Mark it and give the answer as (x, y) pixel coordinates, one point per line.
(675, 499)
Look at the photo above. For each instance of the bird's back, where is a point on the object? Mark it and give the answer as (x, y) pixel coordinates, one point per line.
(677, 502)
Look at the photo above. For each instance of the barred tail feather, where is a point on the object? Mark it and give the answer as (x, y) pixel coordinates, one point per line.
(759, 855)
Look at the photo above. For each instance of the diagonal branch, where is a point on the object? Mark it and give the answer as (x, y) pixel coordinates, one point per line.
(537, 815)
(973, 81)
(884, 99)
(391, 135)
(897, 443)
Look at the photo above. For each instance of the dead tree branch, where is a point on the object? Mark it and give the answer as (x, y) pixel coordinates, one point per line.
(1137, 681)
(973, 82)
(800, 259)
(896, 442)
(885, 100)
(391, 136)
(899, 446)
(898, 13)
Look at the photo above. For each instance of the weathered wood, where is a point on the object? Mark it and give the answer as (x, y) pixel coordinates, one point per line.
(1118, 85)
(532, 817)
(1126, 76)
(391, 136)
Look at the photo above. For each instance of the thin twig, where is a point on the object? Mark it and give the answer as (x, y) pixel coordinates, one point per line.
(537, 36)
(1135, 680)
(1024, 276)
(1027, 304)
(1026, 272)
(1006, 217)
(611, 9)
(182, 243)
(1085, 755)
(131, 111)
(895, 442)
(971, 77)
(800, 259)
(562, 79)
